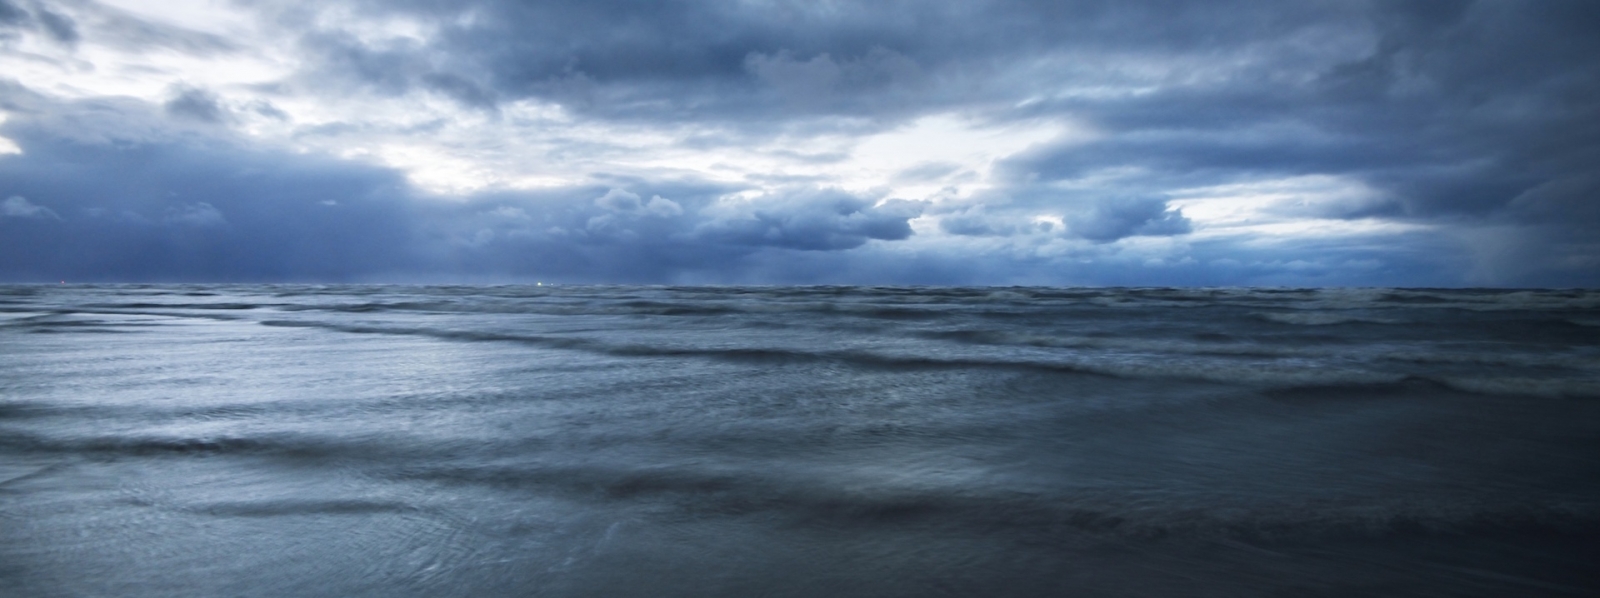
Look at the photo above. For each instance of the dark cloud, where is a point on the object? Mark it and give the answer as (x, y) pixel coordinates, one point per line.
(1457, 112)
(732, 60)
(343, 59)
(59, 26)
(69, 22)
(1101, 220)
(810, 219)
(1453, 106)
(1471, 122)
(700, 234)
(885, 79)
(196, 104)
(1112, 219)
(15, 18)
(132, 206)
(127, 204)
(12, 16)
(974, 222)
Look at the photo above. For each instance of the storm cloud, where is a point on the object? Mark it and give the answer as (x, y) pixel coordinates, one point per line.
(992, 142)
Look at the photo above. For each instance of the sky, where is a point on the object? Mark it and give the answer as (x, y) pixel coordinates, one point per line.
(1118, 142)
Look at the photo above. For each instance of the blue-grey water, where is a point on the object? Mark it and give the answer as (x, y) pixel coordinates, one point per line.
(284, 440)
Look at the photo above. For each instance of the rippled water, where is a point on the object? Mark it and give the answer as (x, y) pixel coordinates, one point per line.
(277, 440)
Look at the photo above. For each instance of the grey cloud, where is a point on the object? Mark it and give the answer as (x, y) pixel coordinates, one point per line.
(978, 221)
(152, 207)
(931, 171)
(973, 224)
(461, 89)
(670, 59)
(1112, 219)
(201, 204)
(305, 217)
(268, 110)
(70, 22)
(620, 200)
(12, 15)
(1472, 118)
(394, 67)
(823, 82)
(1460, 114)
(59, 26)
(716, 60)
(344, 58)
(196, 104)
(809, 219)
(1454, 107)
(1100, 220)
(1553, 201)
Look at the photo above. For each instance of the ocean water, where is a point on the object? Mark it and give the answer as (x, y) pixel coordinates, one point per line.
(296, 440)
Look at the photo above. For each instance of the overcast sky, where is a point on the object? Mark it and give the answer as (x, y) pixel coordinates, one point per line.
(1117, 142)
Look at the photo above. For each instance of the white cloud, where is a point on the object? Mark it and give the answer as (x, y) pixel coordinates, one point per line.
(17, 206)
(7, 146)
(951, 139)
(199, 214)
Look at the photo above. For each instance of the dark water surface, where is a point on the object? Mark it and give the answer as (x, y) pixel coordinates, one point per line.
(279, 440)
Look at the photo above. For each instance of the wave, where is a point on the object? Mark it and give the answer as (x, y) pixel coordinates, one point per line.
(1265, 374)
(148, 305)
(300, 447)
(1556, 388)
(1333, 336)
(812, 494)
(54, 323)
(1321, 318)
(300, 507)
(812, 500)
(1316, 307)
(737, 354)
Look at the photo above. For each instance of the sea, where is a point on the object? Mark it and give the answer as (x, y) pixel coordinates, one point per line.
(813, 441)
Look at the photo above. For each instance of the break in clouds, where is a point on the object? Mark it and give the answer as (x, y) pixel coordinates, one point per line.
(1405, 143)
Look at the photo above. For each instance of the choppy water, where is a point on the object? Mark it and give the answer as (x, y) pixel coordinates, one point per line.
(280, 440)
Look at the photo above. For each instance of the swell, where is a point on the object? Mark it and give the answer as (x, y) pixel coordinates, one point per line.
(1296, 346)
(144, 446)
(1415, 386)
(30, 410)
(636, 307)
(609, 307)
(149, 305)
(862, 358)
(805, 496)
(300, 507)
(1327, 307)
(1127, 513)
(1263, 374)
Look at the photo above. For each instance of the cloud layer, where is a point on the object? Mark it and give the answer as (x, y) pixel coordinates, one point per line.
(1145, 143)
